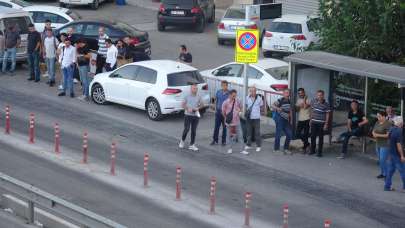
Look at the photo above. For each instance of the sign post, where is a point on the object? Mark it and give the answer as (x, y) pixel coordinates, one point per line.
(246, 51)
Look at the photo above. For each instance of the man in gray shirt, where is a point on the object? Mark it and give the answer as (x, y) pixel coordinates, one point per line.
(12, 42)
(192, 104)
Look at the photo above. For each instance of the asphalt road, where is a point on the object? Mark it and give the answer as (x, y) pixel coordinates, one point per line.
(118, 198)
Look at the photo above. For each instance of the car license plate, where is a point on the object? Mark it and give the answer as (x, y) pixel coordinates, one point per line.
(278, 47)
(177, 12)
(234, 27)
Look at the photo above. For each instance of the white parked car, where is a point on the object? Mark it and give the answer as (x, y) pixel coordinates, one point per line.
(267, 75)
(15, 4)
(94, 4)
(58, 16)
(290, 34)
(157, 86)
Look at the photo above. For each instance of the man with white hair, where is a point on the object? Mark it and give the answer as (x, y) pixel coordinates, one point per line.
(396, 157)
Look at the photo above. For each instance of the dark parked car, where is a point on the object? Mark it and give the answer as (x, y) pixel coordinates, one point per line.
(186, 12)
(88, 30)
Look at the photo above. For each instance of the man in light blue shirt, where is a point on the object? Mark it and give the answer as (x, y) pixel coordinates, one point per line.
(220, 97)
(254, 104)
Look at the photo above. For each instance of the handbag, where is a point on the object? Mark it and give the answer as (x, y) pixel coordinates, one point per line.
(249, 110)
(229, 116)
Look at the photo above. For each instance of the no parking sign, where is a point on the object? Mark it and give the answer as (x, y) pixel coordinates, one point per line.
(247, 46)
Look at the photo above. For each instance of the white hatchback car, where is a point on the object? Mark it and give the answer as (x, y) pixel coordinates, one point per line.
(57, 15)
(290, 34)
(15, 4)
(157, 86)
(94, 4)
(267, 75)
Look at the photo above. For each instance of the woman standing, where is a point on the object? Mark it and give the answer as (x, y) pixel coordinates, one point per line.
(380, 133)
(122, 53)
(83, 60)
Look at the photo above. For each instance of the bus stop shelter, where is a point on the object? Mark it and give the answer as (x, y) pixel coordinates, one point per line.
(375, 85)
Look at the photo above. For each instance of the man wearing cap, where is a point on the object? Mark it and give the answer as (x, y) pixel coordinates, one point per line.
(356, 120)
(68, 61)
(396, 157)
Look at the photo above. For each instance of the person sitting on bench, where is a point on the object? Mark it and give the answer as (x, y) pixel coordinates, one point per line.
(355, 123)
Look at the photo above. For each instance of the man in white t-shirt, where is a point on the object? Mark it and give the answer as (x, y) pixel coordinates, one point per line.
(50, 46)
(112, 53)
(68, 63)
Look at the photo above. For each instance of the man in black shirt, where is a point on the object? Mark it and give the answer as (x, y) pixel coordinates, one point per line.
(282, 118)
(185, 56)
(355, 121)
(33, 51)
(12, 42)
(83, 60)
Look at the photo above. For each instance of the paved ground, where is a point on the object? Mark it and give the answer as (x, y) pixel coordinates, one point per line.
(315, 189)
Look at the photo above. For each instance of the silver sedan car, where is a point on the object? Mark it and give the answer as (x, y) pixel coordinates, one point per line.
(233, 19)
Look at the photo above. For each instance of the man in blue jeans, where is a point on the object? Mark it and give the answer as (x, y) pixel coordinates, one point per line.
(12, 42)
(68, 64)
(220, 97)
(282, 118)
(33, 50)
(396, 155)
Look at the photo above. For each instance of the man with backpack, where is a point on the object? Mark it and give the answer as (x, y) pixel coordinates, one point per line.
(50, 46)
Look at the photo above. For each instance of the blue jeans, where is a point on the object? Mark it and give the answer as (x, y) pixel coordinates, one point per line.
(9, 53)
(393, 164)
(33, 63)
(233, 139)
(282, 125)
(219, 121)
(84, 78)
(382, 153)
(346, 137)
(68, 79)
(50, 65)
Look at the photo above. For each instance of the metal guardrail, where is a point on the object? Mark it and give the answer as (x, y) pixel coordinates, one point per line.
(33, 195)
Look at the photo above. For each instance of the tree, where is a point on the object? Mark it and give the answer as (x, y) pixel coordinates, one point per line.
(368, 29)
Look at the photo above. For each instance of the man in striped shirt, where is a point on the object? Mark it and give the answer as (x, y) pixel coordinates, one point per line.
(102, 50)
(320, 113)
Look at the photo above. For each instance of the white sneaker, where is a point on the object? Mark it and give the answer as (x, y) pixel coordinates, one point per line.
(75, 81)
(229, 151)
(193, 148)
(258, 149)
(245, 152)
(287, 152)
(247, 147)
(46, 75)
(60, 87)
(82, 98)
(181, 144)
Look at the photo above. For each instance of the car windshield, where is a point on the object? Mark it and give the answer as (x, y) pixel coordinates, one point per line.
(235, 14)
(179, 2)
(21, 3)
(73, 14)
(279, 73)
(184, 78)
(285, 27)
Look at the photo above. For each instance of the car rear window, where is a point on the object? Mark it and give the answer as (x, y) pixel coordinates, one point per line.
(235, 14)
(179, 2)
(279, 73)
(285, 27)
(184, 78)
(21, 23)
(73, 14)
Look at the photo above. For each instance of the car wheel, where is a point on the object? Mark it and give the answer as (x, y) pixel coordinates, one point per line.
(160, 27)
(201, 25)
(153, 109)
(267, 54)
(221, 41)
(95, 5)
(212, 18)
(98, 95)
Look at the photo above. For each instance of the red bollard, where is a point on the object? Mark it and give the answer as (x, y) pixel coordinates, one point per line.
(248, 197)
(178, 183)
(145, 170)
(31, 129)
(285, 216)
(7, 130)
(57, 138)
(212, 195)
(113, 152)
(85, 146)
(327, 223)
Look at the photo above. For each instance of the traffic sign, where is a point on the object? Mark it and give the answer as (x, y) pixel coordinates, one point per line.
(247, 46)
